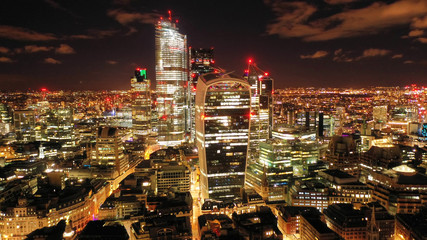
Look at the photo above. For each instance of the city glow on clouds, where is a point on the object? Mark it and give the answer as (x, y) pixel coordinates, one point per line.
(52, 61)
(295, 19)
(318, 54)
(23, 34)
(126, 18)
(65, 49)
(348, 56)
(5, 60)
(4, 50)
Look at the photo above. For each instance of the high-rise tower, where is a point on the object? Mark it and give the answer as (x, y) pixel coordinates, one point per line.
(261, 107)
(171, 78)
(202, 61)
(222, 133)
(141, 105)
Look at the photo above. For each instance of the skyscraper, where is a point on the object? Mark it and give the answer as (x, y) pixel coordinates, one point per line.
(222, 133)
(261, 108)
(171, 77)
(141, 105)
(202, 61)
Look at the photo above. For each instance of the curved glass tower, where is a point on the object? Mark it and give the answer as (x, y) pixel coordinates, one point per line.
(222, 134)
(171, 77)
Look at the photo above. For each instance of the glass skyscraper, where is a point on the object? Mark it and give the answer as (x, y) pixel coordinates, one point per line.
(141, 105)
(171, 78)
(222, 134)
(261, 109)
(202, 61)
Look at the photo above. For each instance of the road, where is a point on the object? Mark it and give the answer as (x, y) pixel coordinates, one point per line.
(197, 211)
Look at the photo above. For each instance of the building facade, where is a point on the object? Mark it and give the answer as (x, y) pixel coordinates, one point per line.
(141, 105)
(222, 134)
(171, 78)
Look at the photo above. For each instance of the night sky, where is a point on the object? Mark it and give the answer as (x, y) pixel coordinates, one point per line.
(96, 44)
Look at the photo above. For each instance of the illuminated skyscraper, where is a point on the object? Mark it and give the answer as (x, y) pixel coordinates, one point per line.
(171, 77)
(202, 61)
(261, 108)
(141, 105)
(222, 133)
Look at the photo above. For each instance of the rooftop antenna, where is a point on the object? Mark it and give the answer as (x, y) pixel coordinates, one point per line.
(170, 15)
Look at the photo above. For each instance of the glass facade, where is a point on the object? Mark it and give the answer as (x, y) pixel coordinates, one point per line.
(222, 134)
(261, 109)
(285, 157)
(141, 105)
(171, 78)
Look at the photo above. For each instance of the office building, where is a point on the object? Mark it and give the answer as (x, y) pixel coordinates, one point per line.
(400, 190)
(411, 226)
(261, 108)
(202, 61)
(109, 151)
(312, 228)
(222, 132)
(346, 221)
(380, 114)
(141, 104)
(24, 122)
(342, 154)
(5, 119)
(175, 178)
(171, 77)
(289, 217)
(285, 157)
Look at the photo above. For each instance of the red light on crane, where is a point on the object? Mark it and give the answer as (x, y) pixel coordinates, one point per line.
(250, 61)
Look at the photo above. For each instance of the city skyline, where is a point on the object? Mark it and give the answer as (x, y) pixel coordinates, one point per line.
(97, 45)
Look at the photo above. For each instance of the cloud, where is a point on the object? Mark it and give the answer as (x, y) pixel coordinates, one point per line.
(422, 40)
(408, 62)
(347, 56)
(52, 61)
(334, 2)
(5, 60)
(96, 33)
(81, 36)
(318, 54)
(4, 50)
(65, 49)
(23, 34)
(34, 49)
(416, 33)
(419, 22)
(397, 56)
(126, 18)
(341, 56)
(112, 62)
(297, 19)
(374, 52)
